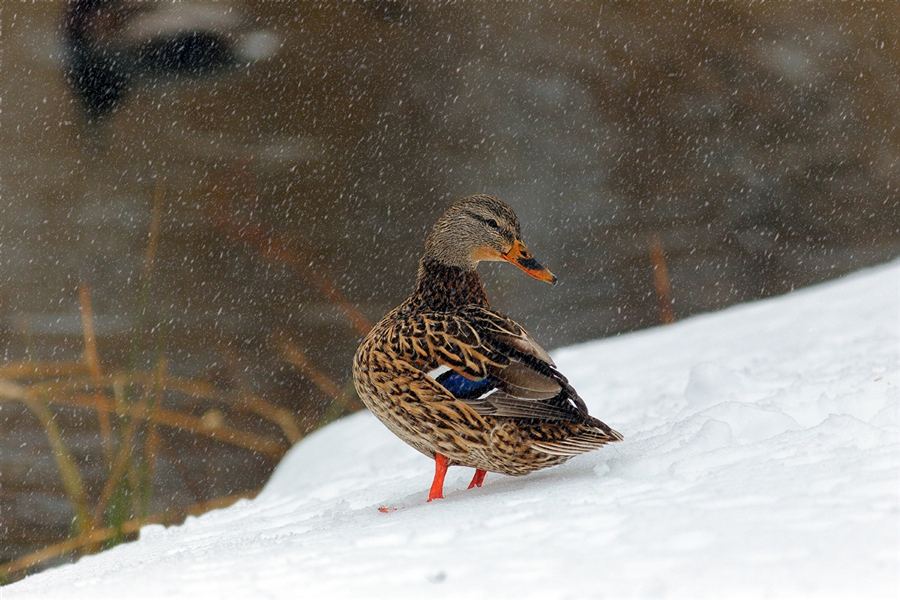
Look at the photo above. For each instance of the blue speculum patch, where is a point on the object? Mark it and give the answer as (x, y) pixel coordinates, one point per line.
(464, 388)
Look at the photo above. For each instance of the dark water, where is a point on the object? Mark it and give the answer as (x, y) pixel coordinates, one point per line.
(758, 143)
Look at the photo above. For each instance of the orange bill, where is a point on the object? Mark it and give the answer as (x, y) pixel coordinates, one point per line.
(521, 257)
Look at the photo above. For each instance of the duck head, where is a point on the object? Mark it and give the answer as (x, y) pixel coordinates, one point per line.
(481, 228)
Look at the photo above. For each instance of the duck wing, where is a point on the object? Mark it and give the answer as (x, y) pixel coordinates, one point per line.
(491, 363)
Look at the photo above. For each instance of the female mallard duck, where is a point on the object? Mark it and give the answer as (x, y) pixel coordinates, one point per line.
(459, 381)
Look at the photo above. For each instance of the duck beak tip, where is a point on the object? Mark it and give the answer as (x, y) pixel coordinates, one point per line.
(520, 257)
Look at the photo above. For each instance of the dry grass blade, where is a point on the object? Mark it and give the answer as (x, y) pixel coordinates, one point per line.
(127, 487)
(266, 445)
(661, 280)
(281, 416)
(43, 370)
(98, 536)
(153, 443)
(343, 402)
(271, 246)
(66, 393)
(11, 391)
(87, 324)
(93, 362)
(123, 457)
(68, 470)
(128, 484)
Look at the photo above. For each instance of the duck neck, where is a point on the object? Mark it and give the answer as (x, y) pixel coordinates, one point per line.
(440, 287)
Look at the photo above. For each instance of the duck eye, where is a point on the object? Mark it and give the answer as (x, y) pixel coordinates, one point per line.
(492, 223)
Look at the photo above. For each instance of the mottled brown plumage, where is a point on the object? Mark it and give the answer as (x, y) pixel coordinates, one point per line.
(457, 380)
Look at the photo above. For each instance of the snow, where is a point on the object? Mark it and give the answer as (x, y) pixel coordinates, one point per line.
(762, 458)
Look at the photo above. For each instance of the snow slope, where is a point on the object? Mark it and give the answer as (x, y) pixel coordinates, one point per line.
(762, 458)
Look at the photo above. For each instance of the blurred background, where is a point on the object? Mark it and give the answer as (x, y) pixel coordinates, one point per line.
(204, 206)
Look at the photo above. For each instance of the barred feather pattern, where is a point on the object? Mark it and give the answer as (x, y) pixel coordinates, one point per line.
(532, 419)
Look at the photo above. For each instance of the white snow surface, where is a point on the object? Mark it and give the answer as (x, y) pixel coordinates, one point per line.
(761, 459)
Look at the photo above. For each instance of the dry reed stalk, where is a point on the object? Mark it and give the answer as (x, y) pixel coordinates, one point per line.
(275, 248)
(266, 445)
(141, 480)
(343, 402)
(245, 400)
(146, 273)
(117, 382)
(661, 280)
(42, 370)
(93, 363)
(67, 393)
(281, 416)
(73, 484)
(258, 443)
(96, 537)
(297, 357)
(11, 391)
(123, 457)
(87, 325)
(272, 447)
(84, 385)
(153, 443)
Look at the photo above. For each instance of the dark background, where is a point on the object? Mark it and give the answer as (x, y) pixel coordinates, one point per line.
(758, 143)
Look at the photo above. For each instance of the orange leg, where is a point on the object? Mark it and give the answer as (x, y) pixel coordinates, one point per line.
(440, 470)
(478, 479)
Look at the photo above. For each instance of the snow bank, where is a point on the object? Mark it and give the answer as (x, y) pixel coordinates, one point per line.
(762, 458)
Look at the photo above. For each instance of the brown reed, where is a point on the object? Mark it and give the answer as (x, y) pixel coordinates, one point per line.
(342, 401)
(129, 406)
(96, 537)
(275, 248)
(98, 393)
(661, 281)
